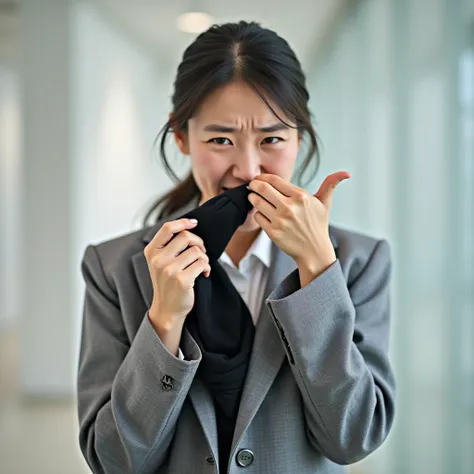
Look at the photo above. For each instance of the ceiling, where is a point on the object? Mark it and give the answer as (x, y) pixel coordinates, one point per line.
(152, 23)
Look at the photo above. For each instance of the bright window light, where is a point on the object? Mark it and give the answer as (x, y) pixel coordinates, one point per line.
(194, 22)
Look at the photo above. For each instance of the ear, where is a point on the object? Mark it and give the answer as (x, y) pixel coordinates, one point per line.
(181, 139)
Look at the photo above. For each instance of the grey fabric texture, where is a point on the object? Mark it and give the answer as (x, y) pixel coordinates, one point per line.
(319, 392)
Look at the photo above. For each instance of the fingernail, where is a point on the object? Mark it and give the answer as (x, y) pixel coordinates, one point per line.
(193, 221)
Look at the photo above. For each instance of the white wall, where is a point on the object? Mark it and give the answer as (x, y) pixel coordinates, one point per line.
(120, 100)
(94, 103)
(118, 106)
(386, 94)
(9, 194)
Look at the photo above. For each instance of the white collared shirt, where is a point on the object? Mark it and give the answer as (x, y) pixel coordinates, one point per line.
(250, 278)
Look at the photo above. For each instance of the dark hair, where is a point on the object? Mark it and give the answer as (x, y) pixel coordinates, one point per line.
(235, 51)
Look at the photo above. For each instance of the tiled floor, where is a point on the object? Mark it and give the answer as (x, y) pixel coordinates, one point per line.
(36, 437)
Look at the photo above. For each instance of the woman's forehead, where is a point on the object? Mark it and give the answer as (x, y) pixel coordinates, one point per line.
(236, 105)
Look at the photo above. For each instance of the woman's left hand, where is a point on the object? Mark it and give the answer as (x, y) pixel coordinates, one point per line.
(295, 220)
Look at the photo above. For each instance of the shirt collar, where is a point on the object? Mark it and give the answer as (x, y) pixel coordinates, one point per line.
(260, 248)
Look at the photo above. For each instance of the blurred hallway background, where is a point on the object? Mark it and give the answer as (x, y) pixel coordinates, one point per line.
(84, 89)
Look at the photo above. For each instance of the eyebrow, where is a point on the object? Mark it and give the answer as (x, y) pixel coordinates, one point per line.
(224, 129)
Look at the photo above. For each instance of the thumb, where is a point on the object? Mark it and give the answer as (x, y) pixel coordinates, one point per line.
(326, 189)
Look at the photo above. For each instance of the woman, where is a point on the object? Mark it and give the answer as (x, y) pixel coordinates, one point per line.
(319, 390)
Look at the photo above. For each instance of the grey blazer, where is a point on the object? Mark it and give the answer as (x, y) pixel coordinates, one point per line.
(319, 393)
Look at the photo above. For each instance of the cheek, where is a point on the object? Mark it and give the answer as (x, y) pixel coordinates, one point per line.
(207, 166)
(198, 154)
(281, 161)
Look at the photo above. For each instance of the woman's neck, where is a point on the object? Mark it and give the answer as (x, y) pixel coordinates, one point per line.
(239, 244)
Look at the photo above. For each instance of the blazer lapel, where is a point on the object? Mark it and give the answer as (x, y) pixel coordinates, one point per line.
(268, 353)
(143, 277)
(204, 407)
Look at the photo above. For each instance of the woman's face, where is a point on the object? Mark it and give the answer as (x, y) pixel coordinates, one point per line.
(233, 138)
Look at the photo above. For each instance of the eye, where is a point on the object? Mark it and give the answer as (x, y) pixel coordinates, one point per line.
(220, 141)
(271, 140)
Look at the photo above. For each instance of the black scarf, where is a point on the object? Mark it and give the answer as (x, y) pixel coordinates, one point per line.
(220, 320)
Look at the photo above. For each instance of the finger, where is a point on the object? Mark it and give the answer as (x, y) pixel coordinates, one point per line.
(189, 275)
(262, 205)
(183, 240)
(266, 191)
(326, 189)
(263, 222)
(280, 184)
(186, 258)
(168, 230)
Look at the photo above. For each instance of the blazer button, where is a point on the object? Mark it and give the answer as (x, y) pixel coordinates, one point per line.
(166, 383)
(245, 457)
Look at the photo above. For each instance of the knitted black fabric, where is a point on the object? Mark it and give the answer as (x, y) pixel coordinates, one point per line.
(220, 320)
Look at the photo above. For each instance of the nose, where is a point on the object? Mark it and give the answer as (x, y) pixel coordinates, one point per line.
(246, 165)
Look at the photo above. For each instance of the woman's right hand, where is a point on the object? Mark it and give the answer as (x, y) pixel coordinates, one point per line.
(173, 269)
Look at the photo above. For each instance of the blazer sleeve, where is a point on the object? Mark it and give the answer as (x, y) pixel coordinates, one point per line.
(129, 394)
(336, 337)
